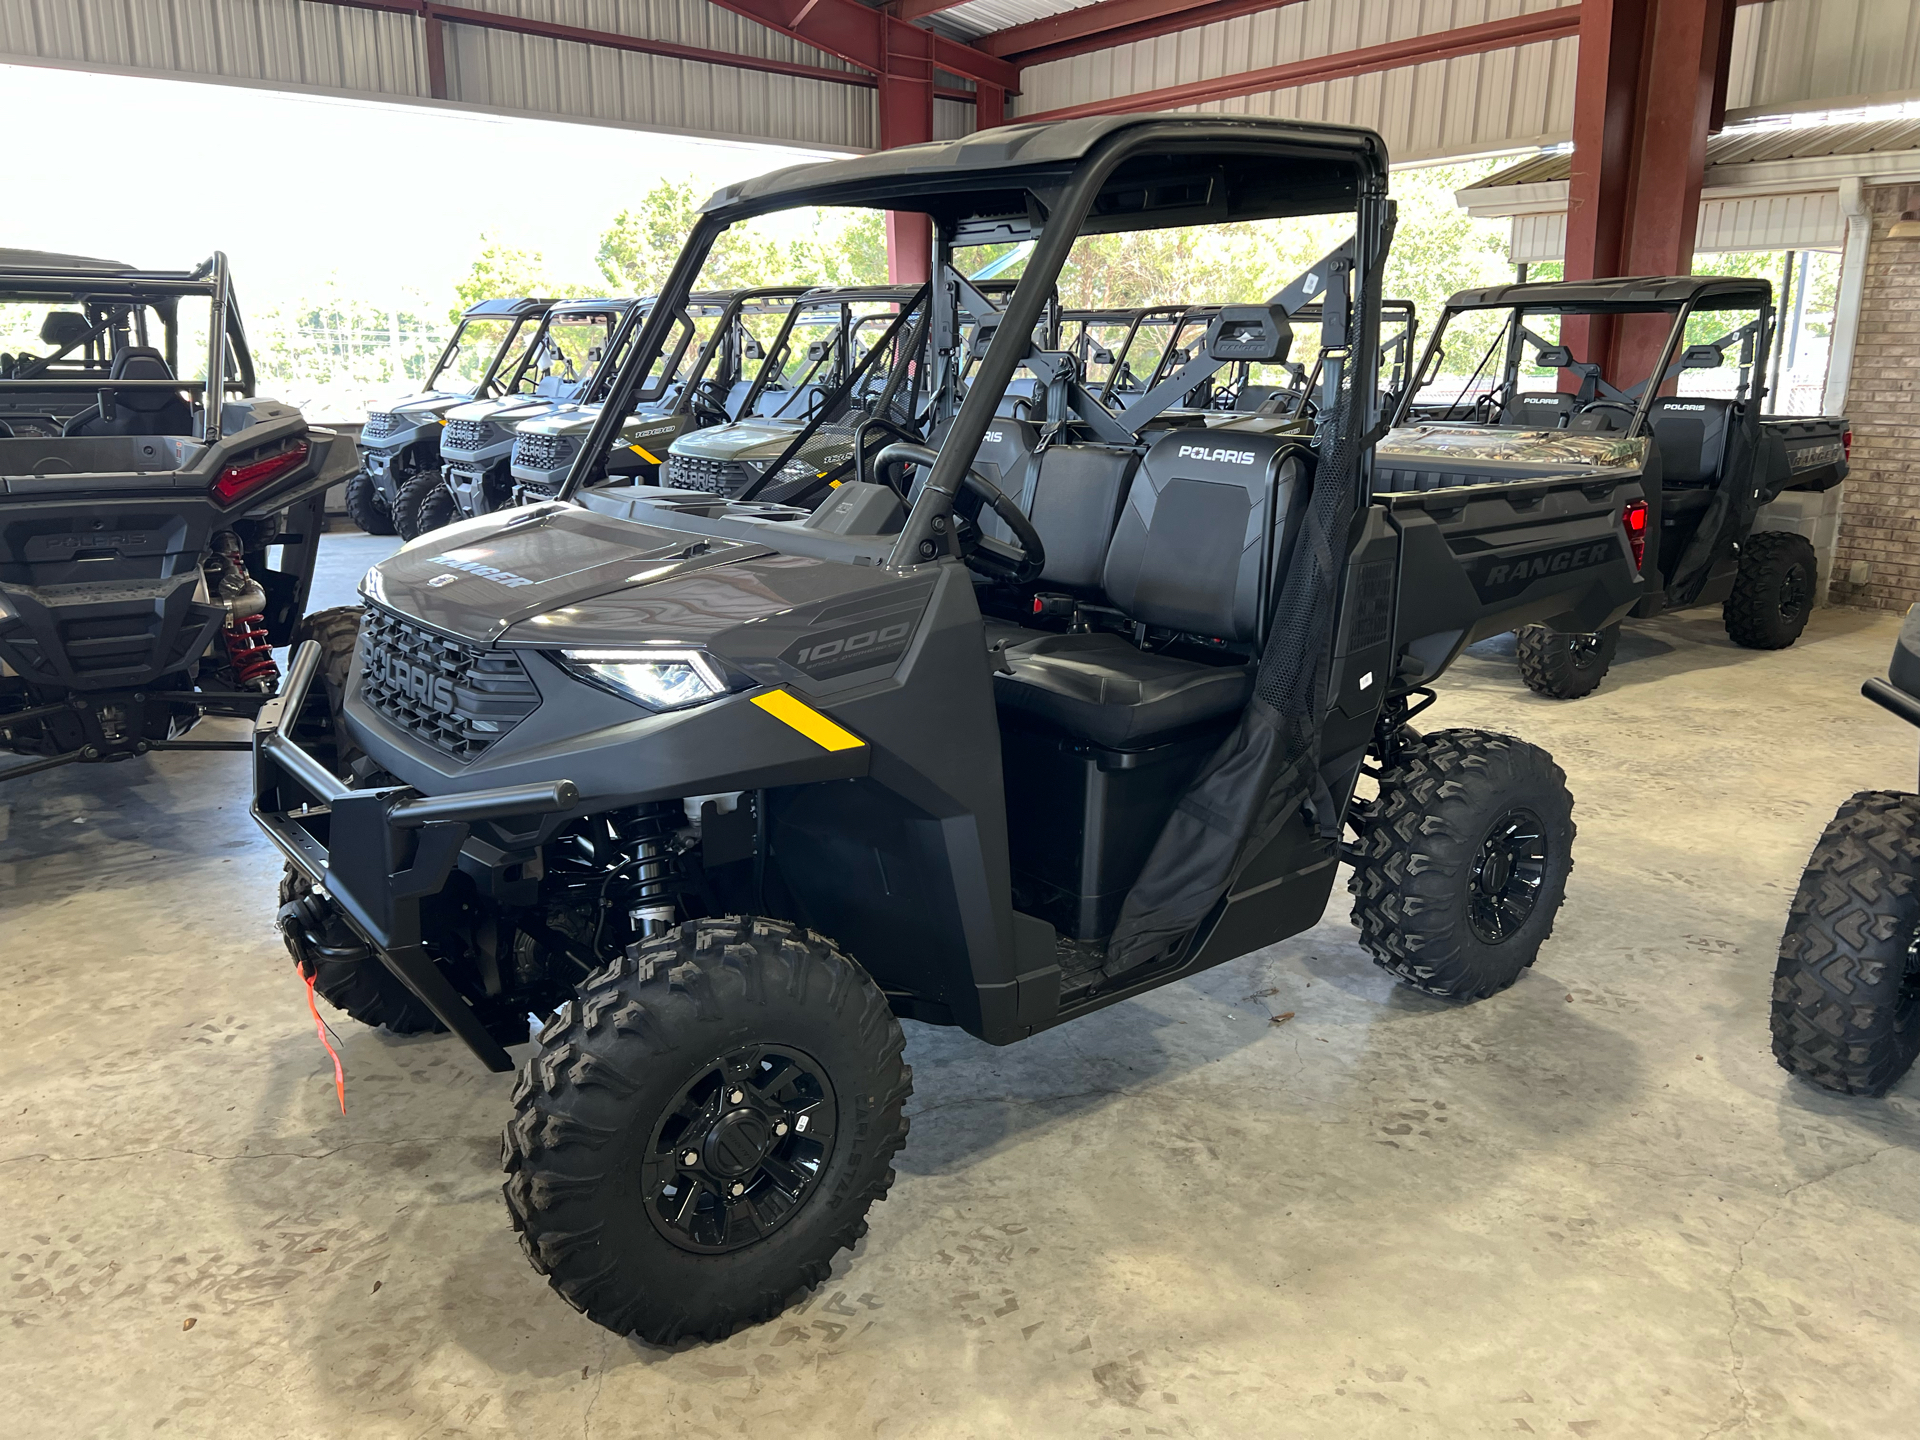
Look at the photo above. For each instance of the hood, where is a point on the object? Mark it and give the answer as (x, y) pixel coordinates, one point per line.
(430, 406)
(742, 440)
(553, 576)
(507, 410)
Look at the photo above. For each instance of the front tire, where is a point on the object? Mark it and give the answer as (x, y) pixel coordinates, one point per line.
(366, 507)
(344, 970)
(318, 727)
(1462, 862)
(423, 504)
(1773, 592)
(1562, 665)
(1846, 993)
(705, 1125)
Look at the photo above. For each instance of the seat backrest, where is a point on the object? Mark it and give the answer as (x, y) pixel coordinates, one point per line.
(737, 396)
(1073, 499)
(1692, 435)
(143, 412)
(1196, 544)
(1018, 397)
(789, 404)
(1537, 411)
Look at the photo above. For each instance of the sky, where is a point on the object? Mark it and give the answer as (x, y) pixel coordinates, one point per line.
(390, 198)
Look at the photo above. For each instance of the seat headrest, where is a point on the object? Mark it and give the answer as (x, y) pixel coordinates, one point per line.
(142, 362)
(1258, 333)
(64, 328)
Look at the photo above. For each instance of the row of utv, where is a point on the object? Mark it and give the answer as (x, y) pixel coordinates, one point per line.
(763, 668)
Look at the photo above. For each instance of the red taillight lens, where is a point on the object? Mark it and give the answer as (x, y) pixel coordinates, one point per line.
(1846, 443)
(1634, 517)
(245, 476)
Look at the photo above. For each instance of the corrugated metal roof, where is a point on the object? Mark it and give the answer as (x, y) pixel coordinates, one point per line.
(984, 17)
(1746, 145)
(1503, 99)
(1795, 51)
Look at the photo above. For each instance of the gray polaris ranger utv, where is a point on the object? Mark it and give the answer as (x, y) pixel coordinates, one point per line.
(571, 348)
(402, 442)
(1846, 992)
(731, 334)
(157, 531)
(1711, 460)
(726, 787)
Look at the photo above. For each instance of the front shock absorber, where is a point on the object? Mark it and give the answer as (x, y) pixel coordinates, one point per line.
(651, 908)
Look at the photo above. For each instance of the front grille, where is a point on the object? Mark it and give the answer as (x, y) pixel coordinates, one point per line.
(540, 452)
(379, 423)
(456, 697)
(716, 477)
(464, 435)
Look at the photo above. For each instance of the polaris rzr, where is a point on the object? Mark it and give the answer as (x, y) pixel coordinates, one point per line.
(402, 442)
(1846, 993)
(726, 788)
(157, 527)
(731, 333)
(559, 365)
(1710, 459)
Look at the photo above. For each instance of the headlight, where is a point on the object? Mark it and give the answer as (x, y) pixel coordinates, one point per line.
(657, 679)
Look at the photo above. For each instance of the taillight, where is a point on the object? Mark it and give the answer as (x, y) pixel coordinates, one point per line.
(1846, 443)
(1634, 517)
(245, 476)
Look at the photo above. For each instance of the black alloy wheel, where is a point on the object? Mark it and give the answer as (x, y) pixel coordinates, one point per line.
(1506, 878)
(740, 1149)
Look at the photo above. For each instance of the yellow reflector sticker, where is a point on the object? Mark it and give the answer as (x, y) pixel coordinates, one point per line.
(650, 459)
(789, 710)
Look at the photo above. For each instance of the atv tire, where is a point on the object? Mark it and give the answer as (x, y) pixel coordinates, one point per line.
(1564, 665)
(654, 1201)
(344, 970)
(424, 504)
(1462, 862)
(318, 727)
(1846, 995)
(366, 506)
(1773, 593)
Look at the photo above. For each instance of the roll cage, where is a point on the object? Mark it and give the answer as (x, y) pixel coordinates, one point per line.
(114, 302)
(1519, 346)
(518, 312)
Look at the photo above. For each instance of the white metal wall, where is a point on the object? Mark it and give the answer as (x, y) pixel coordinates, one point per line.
(288, 44)
(1502, 100)
(1744, 222)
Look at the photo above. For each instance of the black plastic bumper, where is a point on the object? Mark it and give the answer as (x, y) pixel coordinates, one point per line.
(378, 853)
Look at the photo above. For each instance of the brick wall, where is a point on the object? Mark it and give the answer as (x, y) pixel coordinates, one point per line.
(1880, 502)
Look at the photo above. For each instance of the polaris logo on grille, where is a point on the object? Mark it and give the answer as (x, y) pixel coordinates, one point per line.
(416, 682)
(507, 578)
(1207, 452)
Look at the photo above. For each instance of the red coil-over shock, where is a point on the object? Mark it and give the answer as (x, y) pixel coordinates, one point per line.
(249, 651)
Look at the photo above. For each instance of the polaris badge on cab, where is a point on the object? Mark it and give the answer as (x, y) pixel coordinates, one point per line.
(476, 445)
(729, 335)
(402, 441)
(726, 788)
(157, 534)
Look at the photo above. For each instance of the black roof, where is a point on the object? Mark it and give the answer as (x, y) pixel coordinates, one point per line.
(524, 305)
(1261, 168)
(39, 261)
(1621, 295)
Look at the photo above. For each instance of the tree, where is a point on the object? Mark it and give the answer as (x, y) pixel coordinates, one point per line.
(500, 272)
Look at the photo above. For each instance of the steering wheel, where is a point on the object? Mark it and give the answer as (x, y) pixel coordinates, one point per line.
(1016, 564)
(1624, 407)
(709, 402)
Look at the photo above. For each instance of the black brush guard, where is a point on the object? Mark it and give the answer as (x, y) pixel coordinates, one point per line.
(385, 850)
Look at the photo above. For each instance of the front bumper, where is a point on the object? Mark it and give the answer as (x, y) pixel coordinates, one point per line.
(378, 853)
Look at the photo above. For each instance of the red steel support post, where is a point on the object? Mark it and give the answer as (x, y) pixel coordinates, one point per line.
(1645, 94)
(989, 107)
(906, 118)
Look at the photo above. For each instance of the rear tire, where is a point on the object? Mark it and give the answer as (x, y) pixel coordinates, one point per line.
(627, 1144)
(366, 506)
(1773, 593)
(344, 970)
(1462, 862)
(423, 505)
(1564, 665)
(1846, 994)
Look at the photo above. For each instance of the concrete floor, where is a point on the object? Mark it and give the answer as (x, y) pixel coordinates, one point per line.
(1590, 1206)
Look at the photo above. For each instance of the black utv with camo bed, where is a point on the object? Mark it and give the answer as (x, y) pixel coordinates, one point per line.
(1010, 727)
